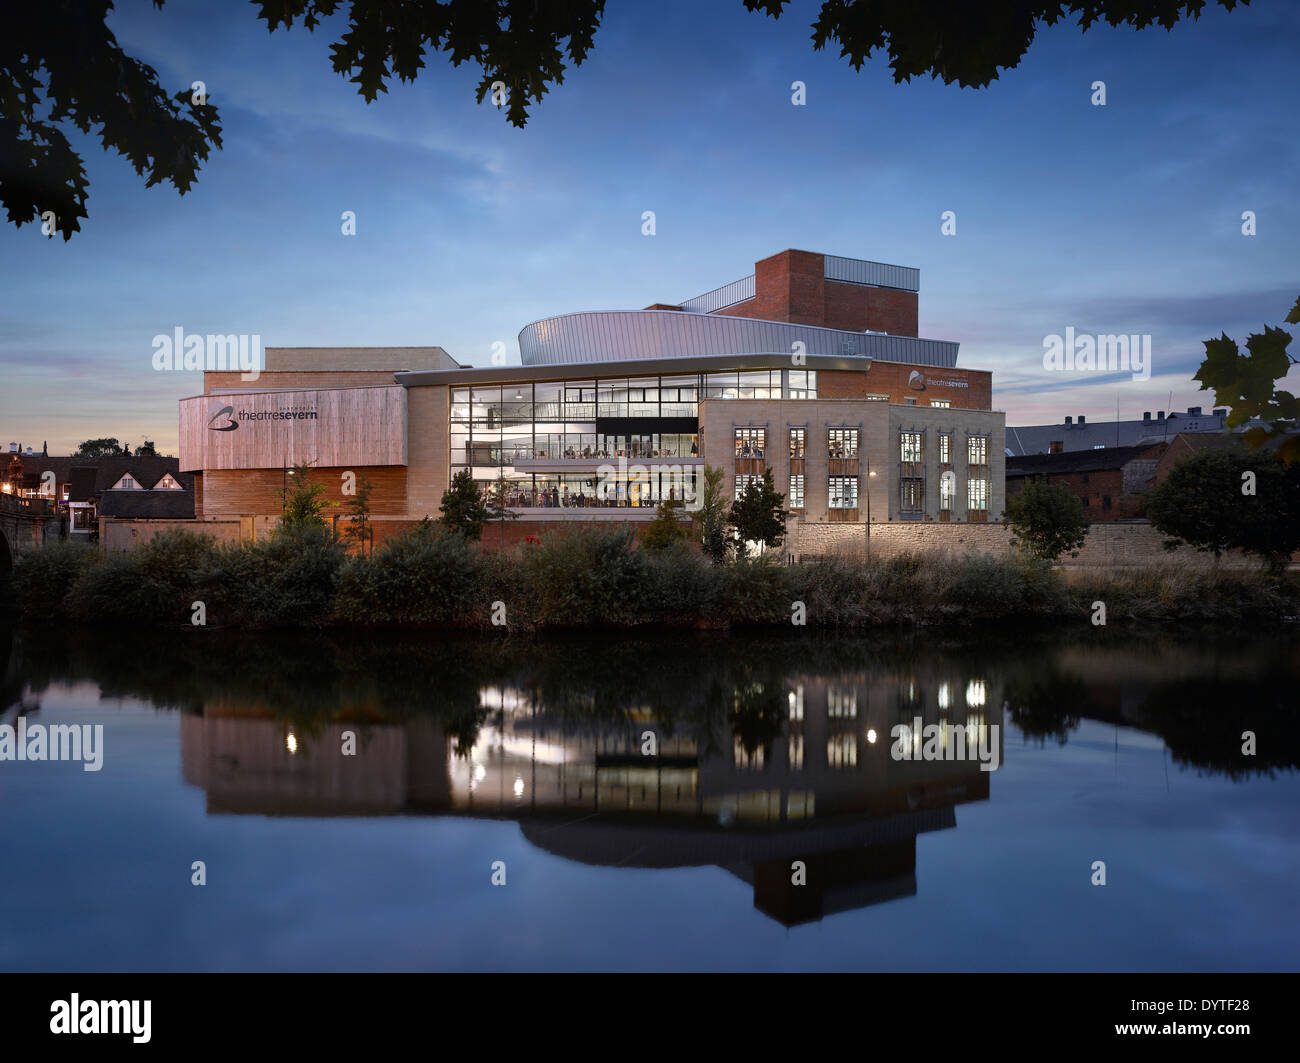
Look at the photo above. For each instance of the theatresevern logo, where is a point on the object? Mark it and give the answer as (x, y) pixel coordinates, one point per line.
(227, 420)
(208, 353)
(56, 742)
(102, 1016)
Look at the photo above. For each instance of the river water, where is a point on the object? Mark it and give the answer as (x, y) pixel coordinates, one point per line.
(932, 801)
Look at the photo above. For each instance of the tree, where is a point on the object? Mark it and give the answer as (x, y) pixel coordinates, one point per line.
(496, 503)
(711, 520)
(304, 505)
(666, 528)
(98, 448)
(1046, 520)
(463, 509)
(759, 514)
(61, 65)
(1247, 383)
(358, 511)
(146, 450)
(1220, 500)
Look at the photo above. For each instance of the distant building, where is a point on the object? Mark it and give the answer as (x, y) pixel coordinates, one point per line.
(1081, 434)
(1109, 482)
(84, 489)
(1184, 445)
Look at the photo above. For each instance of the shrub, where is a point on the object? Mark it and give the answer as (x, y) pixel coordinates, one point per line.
(153, 584)
(589, 576)
(285, 580)
(43, 577)
(427, 576)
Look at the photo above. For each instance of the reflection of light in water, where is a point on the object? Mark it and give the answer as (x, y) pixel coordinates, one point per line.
(871, 735)
(291, 742)
(976, 693)
(519, 787)
(945, 695)
(479, 772)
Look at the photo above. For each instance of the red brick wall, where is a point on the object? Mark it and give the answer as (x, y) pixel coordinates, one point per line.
(1091, 494)
(890, 378)
(792, 286)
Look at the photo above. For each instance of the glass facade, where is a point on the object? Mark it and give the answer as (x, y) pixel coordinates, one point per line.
(602, 426)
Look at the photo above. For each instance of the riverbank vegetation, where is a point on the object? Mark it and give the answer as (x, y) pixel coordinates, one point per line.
(305, 577)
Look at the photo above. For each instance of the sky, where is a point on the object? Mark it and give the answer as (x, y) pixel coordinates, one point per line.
(1116, 219)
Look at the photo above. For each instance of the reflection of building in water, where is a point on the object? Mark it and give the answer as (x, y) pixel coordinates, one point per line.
(803, 774)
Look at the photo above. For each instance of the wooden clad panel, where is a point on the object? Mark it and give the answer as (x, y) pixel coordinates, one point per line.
(229, 492)
(333, 428)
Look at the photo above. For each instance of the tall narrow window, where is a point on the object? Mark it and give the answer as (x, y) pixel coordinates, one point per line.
(977, 450)
(798, 437)
(945, 448)
(796, 491)
(910, 446)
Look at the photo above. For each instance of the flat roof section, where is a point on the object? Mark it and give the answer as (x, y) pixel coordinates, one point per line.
(511, 374)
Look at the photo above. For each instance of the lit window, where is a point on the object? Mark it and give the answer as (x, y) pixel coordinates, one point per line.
(841, 704)
(843, 492)
(910, 446)
(751, 442)
(945, 449)
(797, 439)
(910, 497)
(796, 702)
(842, 442)
(977, 450)
(947, 489)
(977, 494)
(942, 404)
(744, 479)
(842, 751)
(796, 491)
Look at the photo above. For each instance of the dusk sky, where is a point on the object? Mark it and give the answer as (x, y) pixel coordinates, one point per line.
(1125, 218)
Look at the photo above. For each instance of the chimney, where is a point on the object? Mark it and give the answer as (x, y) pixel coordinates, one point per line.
(1146, 415)
(1069, 420)
(1160, 416)
(13, 448)
(1195, 411)
(1082, 419)
(1221, 411)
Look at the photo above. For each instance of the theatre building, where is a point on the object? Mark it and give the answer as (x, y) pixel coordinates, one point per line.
(810, 366)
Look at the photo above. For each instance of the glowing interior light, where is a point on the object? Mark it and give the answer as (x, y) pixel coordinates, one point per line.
(291, 742)
(871, 735)
(479, 772)
(976, 694)
(519, 787)
(945, 695)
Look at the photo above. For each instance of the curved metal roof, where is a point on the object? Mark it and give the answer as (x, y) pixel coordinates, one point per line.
(633, 335)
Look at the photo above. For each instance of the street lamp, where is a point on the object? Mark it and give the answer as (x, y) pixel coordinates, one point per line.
(867, 488)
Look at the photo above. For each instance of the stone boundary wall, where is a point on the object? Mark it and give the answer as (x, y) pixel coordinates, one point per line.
(118, 534)
(1109, 545)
